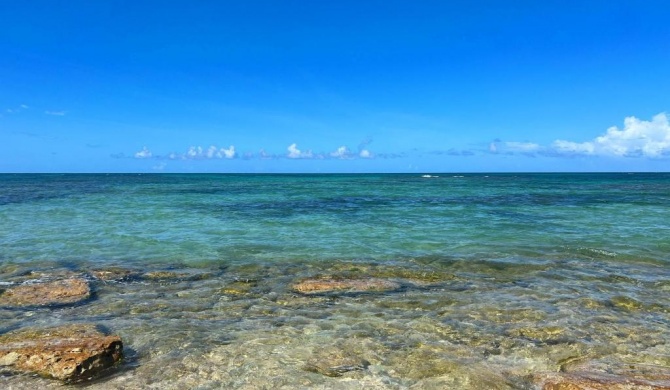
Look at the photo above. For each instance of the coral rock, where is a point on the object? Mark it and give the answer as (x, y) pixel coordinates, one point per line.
(114, 274)
(317, 286)
(59, 292)
(70, 353)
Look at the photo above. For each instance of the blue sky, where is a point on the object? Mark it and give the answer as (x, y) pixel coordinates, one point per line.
(334, 86)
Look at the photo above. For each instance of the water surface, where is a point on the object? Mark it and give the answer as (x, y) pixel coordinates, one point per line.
(503, 275)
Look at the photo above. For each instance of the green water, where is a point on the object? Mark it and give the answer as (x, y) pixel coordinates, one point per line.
(502, 275)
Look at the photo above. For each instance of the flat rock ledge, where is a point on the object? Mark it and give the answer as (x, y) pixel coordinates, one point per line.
(71, 353)
(59, 292)
(321, 286)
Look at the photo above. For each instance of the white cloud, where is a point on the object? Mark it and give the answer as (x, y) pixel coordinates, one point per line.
(569, 147)
(527, 147)
(57, 113)
(200, 153)
(637, 138)
(341, 152)
(194, 152)
(144, 153)
(228, 153)
(512, 147)
(16, 110)
(294, 152)
(213, 152)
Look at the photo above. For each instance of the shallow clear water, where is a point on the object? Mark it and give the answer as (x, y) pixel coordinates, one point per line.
(502, 276)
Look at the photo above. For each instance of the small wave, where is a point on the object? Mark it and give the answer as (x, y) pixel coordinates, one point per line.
(597, 252)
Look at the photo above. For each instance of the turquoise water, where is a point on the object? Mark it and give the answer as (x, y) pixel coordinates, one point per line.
(215, 219)
(530, 270)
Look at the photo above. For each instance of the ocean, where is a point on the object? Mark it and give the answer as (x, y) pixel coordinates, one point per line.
(501, 277)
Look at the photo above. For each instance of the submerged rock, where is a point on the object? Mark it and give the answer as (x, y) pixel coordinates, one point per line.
(59, 292)
(114, 274)
(627, 303)
(159, 275)
(239, 287)
(40, 276)
(70, 353)
(591, 381)
(547, 333)
(607, 375)
(418, 276)
(172, 276)
(335, 362)
(320, 286)
(336, 369)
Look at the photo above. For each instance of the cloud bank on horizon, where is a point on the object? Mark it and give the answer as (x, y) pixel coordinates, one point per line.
(638, 138)
(213, 152)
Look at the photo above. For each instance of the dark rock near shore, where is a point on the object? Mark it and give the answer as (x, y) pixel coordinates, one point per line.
(59, 292)
(329, 285)
(70, 353)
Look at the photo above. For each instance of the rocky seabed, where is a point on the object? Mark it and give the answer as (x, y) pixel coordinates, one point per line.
(346, 326)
